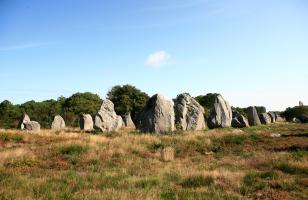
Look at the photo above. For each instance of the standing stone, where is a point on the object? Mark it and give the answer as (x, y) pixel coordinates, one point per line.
(107, 119)
(32, 126)
(301, 103)
(23, 120)
(128, 122)
(265, 118)
(272, 116)
(157, 116)
(189, 114)
(280, 118)
(239, 121)
(296, 120)
(253, 117)
(58, 123)
(86, 122)
(221, 114)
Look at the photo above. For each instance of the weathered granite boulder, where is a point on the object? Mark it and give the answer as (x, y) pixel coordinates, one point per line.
(189, 114)
(265, 118)
(128, 122)
(272, 116)
(23, 120)
(107, 119)
(303, 118)
(157, 116)
(253, 117)
(239, 120)
(221, 114)
(32, 126)
(279, 118)
(58, 123)
(86, 122)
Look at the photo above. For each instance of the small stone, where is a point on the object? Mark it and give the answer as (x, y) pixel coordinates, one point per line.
(275, 135)
(167, 154)
(86, 122)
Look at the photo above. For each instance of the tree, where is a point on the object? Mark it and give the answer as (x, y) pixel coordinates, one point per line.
(296, 111)
(80, 103)
(9, 114)
(207, 102)
(127, 99)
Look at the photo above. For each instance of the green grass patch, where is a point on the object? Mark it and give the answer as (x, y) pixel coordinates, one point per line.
(290, 169)
(197, 181)
(11, 138)
(74, 149)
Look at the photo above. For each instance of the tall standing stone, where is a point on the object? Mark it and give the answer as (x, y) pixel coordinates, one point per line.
(128, 122)
(23, 120)
(239, 120)
(272, 116)
(58, 123)
(86, 122)
(253, 117)
(107, 119)
(157, 116)
(189, 114)
(221, 114)
(265, 118)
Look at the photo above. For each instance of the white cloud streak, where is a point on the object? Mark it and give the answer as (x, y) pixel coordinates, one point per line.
(24, 46)
(157, 59)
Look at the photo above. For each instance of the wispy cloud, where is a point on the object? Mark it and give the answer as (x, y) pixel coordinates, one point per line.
(177, 5)
(24, 46)
(157, 59)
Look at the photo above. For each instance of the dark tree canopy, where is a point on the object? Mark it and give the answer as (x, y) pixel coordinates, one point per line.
(127, 99)
(80, 103)
(9, 115)
(207, 101)
(296, 111)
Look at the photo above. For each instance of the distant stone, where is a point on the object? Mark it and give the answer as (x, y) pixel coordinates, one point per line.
(86, 122)
(272, 116)
(189, 114)
(265, 118)
(296, 120)
(239, 121)
(275, 135)
(167, 154)
(157, 116)
(32, 126)
(58, 123)
(221, 114)
(23, 120)
(107, 119)
(128, 122)
(301, 103)
(279, 118)
(303, 118)
(253, 117)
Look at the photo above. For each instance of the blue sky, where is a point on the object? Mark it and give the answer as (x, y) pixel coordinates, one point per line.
(252, 52)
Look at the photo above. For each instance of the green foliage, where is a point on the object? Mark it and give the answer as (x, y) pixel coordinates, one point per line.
(9, 114)
(296, 111)
(127, 99)
(197, 181)
(80, 103)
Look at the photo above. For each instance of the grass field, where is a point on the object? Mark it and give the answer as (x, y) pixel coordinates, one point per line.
(213, 164)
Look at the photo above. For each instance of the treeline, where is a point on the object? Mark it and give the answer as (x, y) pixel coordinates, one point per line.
(126, 98)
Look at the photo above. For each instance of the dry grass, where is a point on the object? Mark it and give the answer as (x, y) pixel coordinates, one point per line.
(215, 164)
